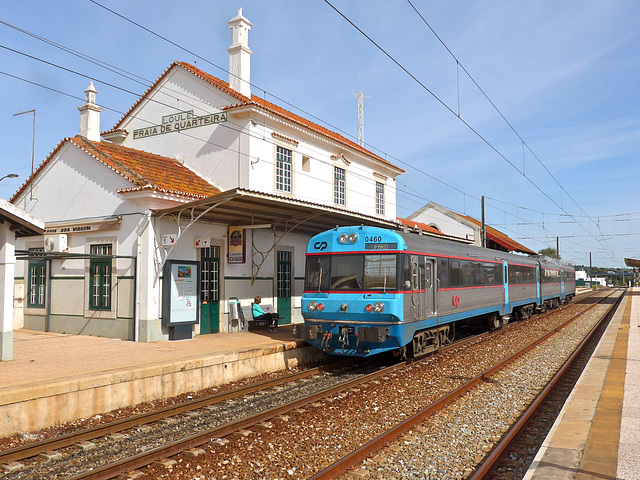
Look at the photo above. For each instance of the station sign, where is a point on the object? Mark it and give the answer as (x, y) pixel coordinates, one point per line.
(177, 122)
(237, 245)
(180, 293)
(110, 224)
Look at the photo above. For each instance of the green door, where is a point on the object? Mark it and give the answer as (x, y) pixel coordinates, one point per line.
(209, 290)
(283, 287)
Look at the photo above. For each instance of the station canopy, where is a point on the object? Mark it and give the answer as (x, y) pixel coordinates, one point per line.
(247, 208)
(19, 221)
(632, 262)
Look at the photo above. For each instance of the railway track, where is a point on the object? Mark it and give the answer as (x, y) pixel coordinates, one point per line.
(497, 457)
(538, 418)
(47, 451)
(278, 416)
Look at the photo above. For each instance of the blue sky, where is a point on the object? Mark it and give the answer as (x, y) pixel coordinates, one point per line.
(565, 75)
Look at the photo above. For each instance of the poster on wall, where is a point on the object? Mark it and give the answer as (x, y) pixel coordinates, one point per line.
(180, 291)
(237, 243)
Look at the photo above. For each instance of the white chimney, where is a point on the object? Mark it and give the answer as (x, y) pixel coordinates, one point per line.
(90, 115)
(240, 55)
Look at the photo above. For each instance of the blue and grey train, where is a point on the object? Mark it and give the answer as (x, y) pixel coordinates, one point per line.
(369, 290)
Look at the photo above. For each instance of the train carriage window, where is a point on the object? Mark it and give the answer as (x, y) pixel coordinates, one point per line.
(550, 276)
(404, 271)
(427, 275)
(443, 273)
(467, 272)
(454, 273)
(491, 273)
(380, 272)
(317, 271)
(346, 272)
(521, 275)
(415, 274)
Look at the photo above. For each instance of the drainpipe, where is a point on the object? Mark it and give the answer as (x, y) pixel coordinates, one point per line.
(136, 276)
(47, 320)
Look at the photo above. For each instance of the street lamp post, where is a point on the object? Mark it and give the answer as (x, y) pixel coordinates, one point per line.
(33, 145)
(11, 175)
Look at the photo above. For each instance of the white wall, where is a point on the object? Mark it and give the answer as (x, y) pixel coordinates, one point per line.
(444, 223)
(242, 151)
(210, 151)
(69, 188)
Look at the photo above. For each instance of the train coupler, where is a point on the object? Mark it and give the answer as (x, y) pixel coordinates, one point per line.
(326, 337)
(373, 334)
(306, 332)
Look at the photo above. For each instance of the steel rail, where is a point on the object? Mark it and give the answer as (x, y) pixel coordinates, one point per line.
(491, 462)
(357, 456)
(34, 449)
(143, 459)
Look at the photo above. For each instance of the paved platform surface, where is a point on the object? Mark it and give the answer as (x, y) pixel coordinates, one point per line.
(597, 434)
(55, 378)
(43, 356)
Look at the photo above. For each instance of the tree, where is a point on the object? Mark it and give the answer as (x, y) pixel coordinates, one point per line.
(549, 252)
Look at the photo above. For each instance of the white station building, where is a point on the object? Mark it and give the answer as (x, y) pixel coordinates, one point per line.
(201, 193)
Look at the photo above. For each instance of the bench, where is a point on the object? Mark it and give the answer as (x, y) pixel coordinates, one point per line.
(248, 314)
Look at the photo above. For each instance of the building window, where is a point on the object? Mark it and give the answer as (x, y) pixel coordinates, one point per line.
(380, 198)
(339, 186)
(283, 169)
(37, 281)
(100, 278)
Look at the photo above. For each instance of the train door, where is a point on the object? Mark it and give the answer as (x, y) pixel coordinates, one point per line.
(561, 283)
(209, 290)
(283, 286)
(422, 299)
(417, 295)
(429, 295)
(505, 280)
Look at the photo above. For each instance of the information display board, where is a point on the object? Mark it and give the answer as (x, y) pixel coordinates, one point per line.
(180, 293)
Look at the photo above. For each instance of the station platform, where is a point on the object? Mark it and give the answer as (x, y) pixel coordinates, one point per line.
(597, 434)
(56, 378)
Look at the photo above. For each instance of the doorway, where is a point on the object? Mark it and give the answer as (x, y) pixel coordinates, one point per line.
(283, 286)
(209, 290)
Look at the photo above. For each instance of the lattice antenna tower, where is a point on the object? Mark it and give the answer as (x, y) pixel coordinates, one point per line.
(360, 101)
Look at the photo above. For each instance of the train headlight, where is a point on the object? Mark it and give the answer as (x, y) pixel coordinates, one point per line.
(343, 238)
(377, 307)
(320, 307)
(313, 305)
(353, 238)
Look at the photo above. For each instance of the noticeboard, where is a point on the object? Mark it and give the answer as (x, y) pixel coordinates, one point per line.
(180, 293)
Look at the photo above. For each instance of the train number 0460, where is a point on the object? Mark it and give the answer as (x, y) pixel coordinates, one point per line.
(373, 238)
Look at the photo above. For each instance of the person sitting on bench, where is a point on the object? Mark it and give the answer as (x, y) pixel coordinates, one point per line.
(259, 314)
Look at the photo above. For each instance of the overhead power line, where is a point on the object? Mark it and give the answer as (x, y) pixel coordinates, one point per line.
(465, 123)
(130, 76)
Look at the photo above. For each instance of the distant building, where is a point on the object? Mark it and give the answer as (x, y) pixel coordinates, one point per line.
(582, 277)
(463, 226)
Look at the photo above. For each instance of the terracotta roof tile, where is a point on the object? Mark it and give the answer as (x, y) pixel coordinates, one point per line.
(500, 238)
(261, 103)
(144, 170)
(147, 170)
(423, 226)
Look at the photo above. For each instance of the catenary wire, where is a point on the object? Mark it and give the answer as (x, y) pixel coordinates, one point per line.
(276, 97)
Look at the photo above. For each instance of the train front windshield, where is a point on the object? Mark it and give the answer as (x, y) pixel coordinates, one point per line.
(350, 272)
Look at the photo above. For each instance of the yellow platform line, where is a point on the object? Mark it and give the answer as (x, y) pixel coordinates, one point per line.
(600, 456)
